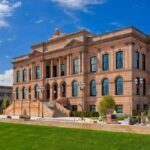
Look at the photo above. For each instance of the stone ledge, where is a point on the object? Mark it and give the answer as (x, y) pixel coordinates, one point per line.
(88, 126)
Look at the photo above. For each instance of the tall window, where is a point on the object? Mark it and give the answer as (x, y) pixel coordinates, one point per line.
(144, 87)
(136, 60)
(47, 71)
(17, 93)
(24, 75)
(93, 88)
(105, 87)
(75, 66)
(23, 93)
(119, 108)
(38, 72)
(119, 60)
(92, 108)
(138, 86)
(62, 69)
(105, 62)
(18, 76)
(143, 61)
(54, 71)
(75, 88)
(93, 64)
(119, 86)
(30, 74)
(36, 92)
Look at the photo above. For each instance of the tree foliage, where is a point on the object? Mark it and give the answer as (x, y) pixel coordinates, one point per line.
(6, 102)
(107, 105)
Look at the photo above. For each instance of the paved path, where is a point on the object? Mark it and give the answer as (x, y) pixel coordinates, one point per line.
(90, 126)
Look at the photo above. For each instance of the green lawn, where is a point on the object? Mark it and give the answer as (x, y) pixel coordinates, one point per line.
(28, 137)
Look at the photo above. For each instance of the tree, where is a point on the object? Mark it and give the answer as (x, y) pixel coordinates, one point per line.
(6, 102)
(107, 105)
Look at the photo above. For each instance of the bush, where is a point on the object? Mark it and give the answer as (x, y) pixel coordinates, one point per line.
(121, 117)
(86, 114)
(107, 105)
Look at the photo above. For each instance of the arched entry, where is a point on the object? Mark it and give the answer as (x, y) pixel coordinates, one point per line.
(47, 92)
(55, 91)
(63, 89)
(29, 93)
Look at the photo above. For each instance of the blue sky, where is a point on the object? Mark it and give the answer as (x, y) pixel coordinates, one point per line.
(25, 22)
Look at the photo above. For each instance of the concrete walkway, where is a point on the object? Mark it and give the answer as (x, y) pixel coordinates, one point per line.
(80, 125)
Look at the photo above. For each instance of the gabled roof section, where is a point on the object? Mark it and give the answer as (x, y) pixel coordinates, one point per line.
(73, 43)
(123, 32)
(27, 56)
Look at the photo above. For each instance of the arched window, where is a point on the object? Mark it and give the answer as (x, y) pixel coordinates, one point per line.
(144, 87)
(119, 86)
(136, 60)
(47, 91)
(75, 88)
(23, 93)
(137, 84)
(63, 90)
(119, 60)
(29, 89)
(105, 87)
(93, 88)
(24, 75)
(17, 93)
(36, 92)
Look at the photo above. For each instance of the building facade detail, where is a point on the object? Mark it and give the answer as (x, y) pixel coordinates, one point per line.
(115, 63)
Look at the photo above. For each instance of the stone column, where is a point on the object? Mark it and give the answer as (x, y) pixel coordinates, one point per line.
(130, 54)
(33, 71)
(112, 58)
(80, 63)
(68, 66)
(83, 69)
(51, 68)
(42, 69)
(99, 61)
(59, 63)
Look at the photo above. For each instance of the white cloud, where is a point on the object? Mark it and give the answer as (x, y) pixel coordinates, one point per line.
(6, 10)
(39, 21)
(78, 4)
(6, 79)
(7, 57)
(116, 24)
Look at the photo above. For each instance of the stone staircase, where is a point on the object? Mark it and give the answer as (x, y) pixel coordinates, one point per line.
(36, 108)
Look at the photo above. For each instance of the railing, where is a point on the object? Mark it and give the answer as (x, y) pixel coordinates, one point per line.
(62, 108)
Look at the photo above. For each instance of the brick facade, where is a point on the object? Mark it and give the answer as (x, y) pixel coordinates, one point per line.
(63, 49)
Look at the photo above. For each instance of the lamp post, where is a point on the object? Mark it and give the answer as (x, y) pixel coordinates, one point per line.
(139, 84)
(148, 98)
(14, 93)
(82, 87)
(42, 89)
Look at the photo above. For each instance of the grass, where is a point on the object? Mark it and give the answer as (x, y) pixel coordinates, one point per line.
(30, 137)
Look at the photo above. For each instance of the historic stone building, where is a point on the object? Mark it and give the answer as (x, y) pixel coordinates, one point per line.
(74, 71)
(5, 91)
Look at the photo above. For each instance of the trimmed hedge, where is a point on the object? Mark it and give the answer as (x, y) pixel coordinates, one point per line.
(85, 114)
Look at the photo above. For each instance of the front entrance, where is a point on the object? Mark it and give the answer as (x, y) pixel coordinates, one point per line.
(47, 92)
(63, 89)
(55, 91)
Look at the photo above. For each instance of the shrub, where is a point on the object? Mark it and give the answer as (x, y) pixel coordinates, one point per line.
(6, 102)
(86, 114)
(107, 105)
